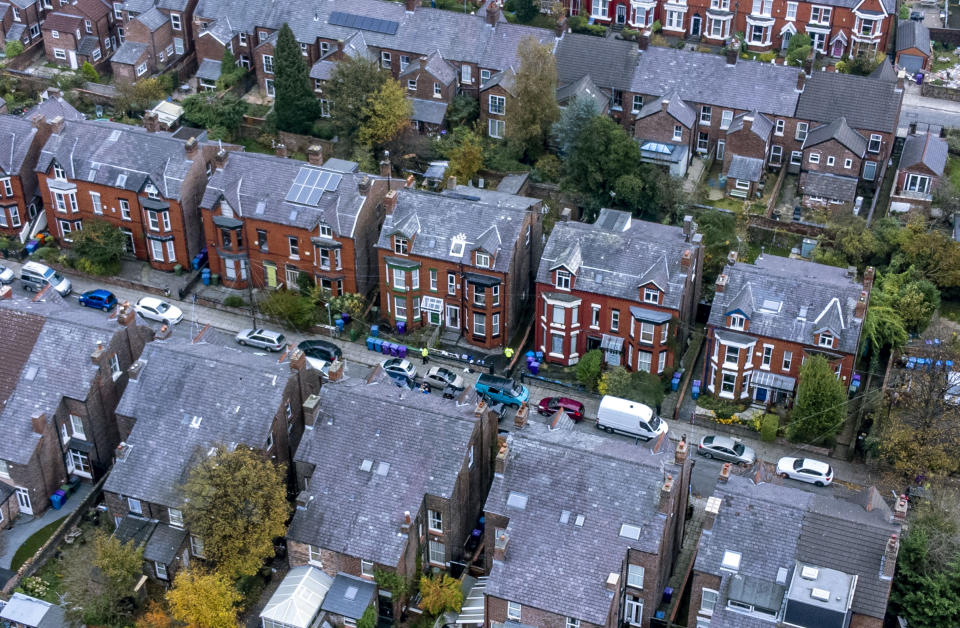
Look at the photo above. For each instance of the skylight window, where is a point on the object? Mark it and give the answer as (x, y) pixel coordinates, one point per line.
(565, 516)
(731, 560)
(630, 531)
(517, 500)
(366, 466)
(769, 305)
(809, 573)
(195, 421)
(579, 521)
(458, 244)
(383, 468)
(820, 594)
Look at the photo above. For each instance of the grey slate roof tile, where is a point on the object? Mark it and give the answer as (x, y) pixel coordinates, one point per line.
(681, 111)
(761, 126)
(913, 34)
(614, 260)
(838, 130)
(322, 69)
(435, 65)
(584, 87)
(164, 543)
(210, 69)
(577, 57)
(336, 600)
(15, 32)
(152, 19)
(429, 111)
(497, 197)
(507, 79)
(826, 95)
(794, 284)
(422, 440)
(829, 186)
(88, 44)
(130, 52)
(16, 136)
(135, 7)
(926, 149)
(559, 566)
(745, 168)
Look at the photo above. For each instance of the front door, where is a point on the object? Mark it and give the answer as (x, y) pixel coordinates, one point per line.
(621, 14)
(453, 316)
(23, 500)
(292, 275)
(695, 26)
(128, 243)
(760, 394)
(385, 605)
(837, 49)
(72, 55)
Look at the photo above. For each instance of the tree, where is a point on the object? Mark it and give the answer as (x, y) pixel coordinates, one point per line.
(369, 618)
(290, 307)
(98, 584)
(882, 328)
(230, 72)
(932, 251)
(534, 109)
(89, 72)
(636, 386)
(203, 599)
(589, 368)
(798, 49)
(463, 111)
(295, 105)
(600, 154)
(466, 157)
(208, 111)
(526, 10)
(578, 113)
(13, 48)
(913, 298)
(236, 502)
(139, 96)
(386, 115)
(821, 403)
(100, 245)
(354, 81)
(440, 594)
(155, 617)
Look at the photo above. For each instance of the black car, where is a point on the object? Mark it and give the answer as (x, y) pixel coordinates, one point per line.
(320, 349)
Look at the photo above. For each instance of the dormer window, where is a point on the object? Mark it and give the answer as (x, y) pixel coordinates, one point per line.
(326, 231)
(651, 295)
(400, 245)
(826, 340)
(59, 173)
(483, 260)
(563, 280)
(737, 321)
(151, 192)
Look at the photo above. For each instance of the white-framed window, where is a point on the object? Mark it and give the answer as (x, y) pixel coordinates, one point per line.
(55, 35)
(737, 321)
(400, 245)
(731, 355)
(16, 14)
(796, 157)
(780, 125)
(495, 324)
(412, 84)
(399, 279)
(438, 552)
(801, 133)
(869, 170)
(728, 383)
(4, 469)
(34, 30)
(153, 220)
(787, 360)
(115, 366)
(495, 295)
(117, 9)
(848, 163)
(415, 279)
(633, 610)
(709, 597)
(635, 576)
(572, 623)
(313, 555)
(466, 74)
(674, 20)
(637, 103)
(767, 357)
(483, 260)
(514, 611)
(595, 316)
(304, 50)
(614, 320)
(479, 324)
(484, 76)
(175, 22)
(451, 283)
(601, 9)
(661, 361)
(196, 546)
(88, 26)
(400, 308)
(156, 250)
(776, 154)
(161, 570)
(178, 45)
(706, 114)
(496, 128)
(165, 219)
(651, 296)
(176, 517)
(563, 280)
(366, 568)
(646, 333)
(171, 251)
(76, 427)
(385, 59)
(677, 133)
(124, 209)
(917, 183)
(814, 157)
(435, 521)
(826, 340)
(820, 15)
(831, 160)
(133, 505)
(14, 216)
(294, 245)
(726, 117)
(268, 64)
(875, 142)
(433, 279)
(497, 105)
(559, 316)
(142, 69)
(791, 11)
(59, 53)
(437, 92)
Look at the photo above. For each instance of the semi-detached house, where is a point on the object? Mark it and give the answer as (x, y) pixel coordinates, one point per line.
(147, 184)
(768, 317)
(20, 143)
(152, 35)
(624, 286)
(268, 220)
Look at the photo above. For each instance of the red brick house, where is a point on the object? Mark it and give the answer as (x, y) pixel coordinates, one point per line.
(78, 32)
(832, 161)
(20, 20)
(496, 94)
(624, 286)
(769, 316)
(539, 515)
(914, 52)
(21, 141)
(745, 151)
(147, 184)
(922, 164)
(152, 41)
(282, 218)
(665, 130)
(431, 84)
(462, 260)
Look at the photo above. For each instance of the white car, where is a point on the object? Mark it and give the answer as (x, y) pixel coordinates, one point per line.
(156, 309)
(6, 275)
(399, 366)
(805, 470)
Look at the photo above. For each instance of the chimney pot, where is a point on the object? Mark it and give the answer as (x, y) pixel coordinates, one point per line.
(134, 370)
(406, 517)
(390, 201)
(889, 562)
(868, 276)
(681, 452)
(191, 147)
(665, 494)
(281, 150)
(335, 373)
(861, 308)
(385, 169)
(451, 182)
(900, 508)
(500, 547)
(801, 80)
(221, 159)
(500, 463)
(163, 333)
(411, 5)
(151, 122)
(39, 422)
(493, 12)
(686, 259)
(725, 473)
(643, 42)
(732, 258)
(721, 284)
(688, 225)
(733, 52)
(315, 155)
(364, 186)
(298, 361)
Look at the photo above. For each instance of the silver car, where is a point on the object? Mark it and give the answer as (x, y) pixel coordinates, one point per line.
(6, 275)
(262, 338)
(726, 448)
(440, 377)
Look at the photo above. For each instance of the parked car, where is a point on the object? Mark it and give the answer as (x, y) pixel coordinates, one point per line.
(321, 350)
(399, 366)
(497, 389)
(805, 470)
(156, 309)
(916, 16)
(6, 275)
(629, 417)
(440, 377)
(727, 449)
(99, 299)
(549, 406)
(262, 338)
(35, 276)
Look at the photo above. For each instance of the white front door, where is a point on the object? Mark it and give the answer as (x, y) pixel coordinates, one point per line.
(453, 316)
(23, 500)
(72, 55)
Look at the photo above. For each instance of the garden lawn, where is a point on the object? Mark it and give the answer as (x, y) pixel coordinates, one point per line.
(32, 544)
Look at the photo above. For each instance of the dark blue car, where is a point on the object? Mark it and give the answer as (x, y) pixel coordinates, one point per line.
(99, 299)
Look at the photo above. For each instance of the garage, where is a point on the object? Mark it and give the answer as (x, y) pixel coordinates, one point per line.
(911, 63)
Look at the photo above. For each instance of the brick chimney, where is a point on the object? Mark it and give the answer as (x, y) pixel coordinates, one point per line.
(385, 169)
(688, 226)
(191, 148)
(311, 411)
(900, 83)
(888, 565)
(686, 259)
(861, 309)
(724, 473)
(868, 276)
(665, 494)
(644, 41)
(221, 159)
(712, 510)
(125, 314)
(315, 155)
(407, 522)
(721, 284)
(493, 13)
(97, 354)
(664, 104)
(5, 293)
(298, 361)
(613, 582)
(808, 64)
(500, 546)
(410, 182)
(801, 80)
(280, 149)
(500, 463)
(411, 5)
(390, 201)
(39, 421)
(363, 187)
(520, 418)
(451, 182)
(151, 122)
(747, 122)
(732, 258)
(134, 371)
(561, 27)
(733, 52)
(335, 372)
(163, 333)
(56, 125)
(900, 508)
(681, 452)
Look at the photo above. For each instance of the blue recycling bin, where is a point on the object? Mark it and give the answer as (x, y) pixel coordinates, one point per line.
(385, 348)
(57, 499)
(401, 327)
(205, 276)
(370, 340)
(667, 594)
(534, 368)
(340, 325)
(374, 330)
(660, 614)
(530, 354)
(674, 384)
(539, 356)
(377, 345)
(695, 392)
(402, 351)
(344, 317)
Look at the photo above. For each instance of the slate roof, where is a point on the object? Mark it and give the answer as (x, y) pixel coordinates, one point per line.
(337, 602)
(102, 151)
(795, 284)
(513, 183)
(838, 130)
(826, 95)
(152, 19)
(507, 79)
(130, 52)
(608, 483)
(18, 334)
(134, 528)
(15, 31)
(681, 111)
(490, 196)
(615, 262)
(242, 182)
(745, 168)
(236, 394)
(16, 137)
(322, 69)
(164, 543)
(577, 56)
(429, 111)
(458, 37)
(913, 34)
(209, 69)
(761, 126)
(435, 65)
(584, 87)
(437, 219)
(355, 46)
(417, 445)
(885, 71)
(830, 186)
(136, 7)
(927, 149)
(88, 44)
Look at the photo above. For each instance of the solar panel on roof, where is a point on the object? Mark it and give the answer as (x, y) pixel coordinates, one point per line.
(310, 184)
(363, 22)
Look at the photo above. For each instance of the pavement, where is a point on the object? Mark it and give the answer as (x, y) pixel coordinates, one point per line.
(359, 360)
(924, 110)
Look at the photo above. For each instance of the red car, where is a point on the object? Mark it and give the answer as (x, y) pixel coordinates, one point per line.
(549, 406)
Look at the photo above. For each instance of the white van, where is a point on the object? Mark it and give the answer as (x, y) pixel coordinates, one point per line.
(629, 417)
(35, 276)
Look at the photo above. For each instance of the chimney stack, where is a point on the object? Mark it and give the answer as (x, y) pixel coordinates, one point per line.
(868, 276)
(500, 546)
(644, 41)
(665, 494)
(311, 411)
(861, 309)
(191, 148)
(520, 418)
(712, 510)
(680, 454)
(561, 27)
(335, 373)
(151, 122)
(411, 5)
(889, 563)
(725, 473)
(39, 422)
(801, 80)
(163, 333)
(747, 122)
(493, 13)
(808, 64)
(451, 182)
(900, 82)
(385, 169)
(733, 52)
(912, 129)
(221, 159)
(363, 187)
(688, 226)
(686, 259)
(732, 258)
(664, 104)
(407, 521)
(613, 582)
(900, 509)
(134, 371)
(56, 125)
(390, 201)
(315, 155)
(298, 361)
(500, 463)
(281, 150)
(97, 354)
(125, 314)
(721, 284)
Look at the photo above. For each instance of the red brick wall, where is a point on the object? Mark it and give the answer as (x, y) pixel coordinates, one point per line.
(838, 152)
(659, 128)
(698, 583)
(485, 114)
